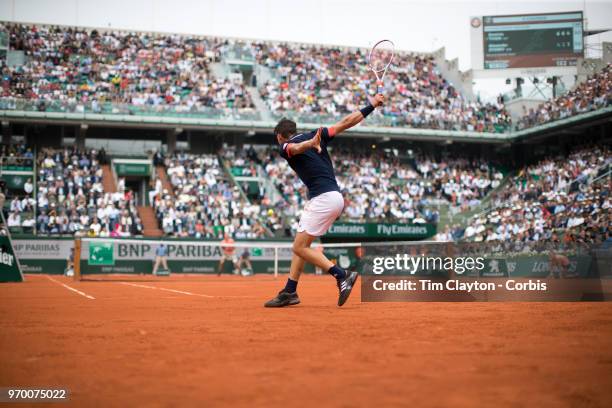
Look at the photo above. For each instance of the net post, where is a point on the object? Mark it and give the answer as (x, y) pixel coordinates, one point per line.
(77, 259)
(275, 262)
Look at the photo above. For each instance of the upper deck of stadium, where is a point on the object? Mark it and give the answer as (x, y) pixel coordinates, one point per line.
(73, 75)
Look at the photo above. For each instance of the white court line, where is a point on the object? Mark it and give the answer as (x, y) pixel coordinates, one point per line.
(71, 288)
(166, 289)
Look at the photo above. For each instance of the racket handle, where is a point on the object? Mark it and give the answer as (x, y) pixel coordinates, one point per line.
(379, 87)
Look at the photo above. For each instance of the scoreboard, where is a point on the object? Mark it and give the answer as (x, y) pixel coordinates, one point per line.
(534, 40)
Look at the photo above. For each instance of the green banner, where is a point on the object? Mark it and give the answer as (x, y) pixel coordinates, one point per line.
(101, 253)
(371, 230)
(47, 266)
(15, 181)
(9, 267)
(132, 169)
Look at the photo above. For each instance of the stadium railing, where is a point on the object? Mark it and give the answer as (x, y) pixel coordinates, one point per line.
(21, 110)
(161, 111)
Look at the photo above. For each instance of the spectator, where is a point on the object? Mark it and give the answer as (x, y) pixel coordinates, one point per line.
(14, 220)
(28, 187)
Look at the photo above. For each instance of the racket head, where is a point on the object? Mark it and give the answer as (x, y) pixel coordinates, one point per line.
(381, 56)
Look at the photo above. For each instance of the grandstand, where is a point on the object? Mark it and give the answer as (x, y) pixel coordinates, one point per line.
(115, 77)
(72, 199)
(311, 83)
(559, 199)
(201, 181)
(118, 73)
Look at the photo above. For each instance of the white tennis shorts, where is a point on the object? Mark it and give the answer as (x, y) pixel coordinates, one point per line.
(320, 213)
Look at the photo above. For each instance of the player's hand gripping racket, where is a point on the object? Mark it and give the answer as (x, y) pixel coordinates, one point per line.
(379, 60)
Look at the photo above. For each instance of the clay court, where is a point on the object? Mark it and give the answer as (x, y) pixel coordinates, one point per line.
(209, 342)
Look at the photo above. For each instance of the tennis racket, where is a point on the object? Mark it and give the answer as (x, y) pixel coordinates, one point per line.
(379, 59)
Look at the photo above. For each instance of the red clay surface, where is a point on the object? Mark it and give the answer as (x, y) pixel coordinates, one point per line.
(215, 345)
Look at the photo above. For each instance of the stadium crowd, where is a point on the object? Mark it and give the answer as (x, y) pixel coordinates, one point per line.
(460, 181)
(281, 214)
(550, 197)
(71, 199)
(16, 156)
(72, 69)
(203, 203)
(594, 93)
(111, 71)
(378, 186)
(316, 80)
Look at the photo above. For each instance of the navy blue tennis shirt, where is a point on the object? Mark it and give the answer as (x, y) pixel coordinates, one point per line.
(314, 169)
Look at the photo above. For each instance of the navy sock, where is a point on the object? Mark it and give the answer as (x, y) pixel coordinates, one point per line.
(291, 286)
(337, 272)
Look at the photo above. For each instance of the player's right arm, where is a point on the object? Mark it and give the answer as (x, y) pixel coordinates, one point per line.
(293, 149)
(355, 118)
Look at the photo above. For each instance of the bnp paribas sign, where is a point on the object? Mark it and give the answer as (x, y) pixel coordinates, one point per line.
(374, 230)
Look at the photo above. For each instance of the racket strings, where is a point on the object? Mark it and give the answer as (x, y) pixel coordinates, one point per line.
(381, 56)
(380, 60)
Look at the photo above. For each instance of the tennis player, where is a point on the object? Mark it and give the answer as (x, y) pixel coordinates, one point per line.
(307, 155)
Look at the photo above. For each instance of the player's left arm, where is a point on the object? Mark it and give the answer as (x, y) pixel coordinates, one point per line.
(355, 118)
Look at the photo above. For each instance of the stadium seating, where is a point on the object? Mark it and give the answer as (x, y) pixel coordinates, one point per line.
(204, 203)
(378, 186)
(326, 82)
(593, 94)
(16, 157)
(71, 198)
(281, 215)
(19, 205)
(136, 73)
(76, 70)
(551, 197)
(85, 70)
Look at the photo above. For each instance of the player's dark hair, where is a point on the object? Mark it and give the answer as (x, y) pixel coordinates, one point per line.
(285, 128)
